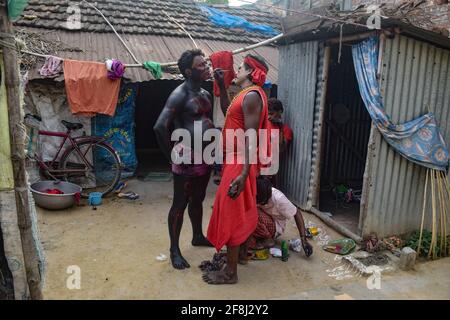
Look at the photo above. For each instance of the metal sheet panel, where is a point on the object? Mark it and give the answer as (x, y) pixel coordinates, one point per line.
(297, 91)
(102, 46)
(415, 75)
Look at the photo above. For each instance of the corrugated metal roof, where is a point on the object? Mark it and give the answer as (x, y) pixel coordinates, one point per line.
(101, 46)
(415, 74)
(297, 91)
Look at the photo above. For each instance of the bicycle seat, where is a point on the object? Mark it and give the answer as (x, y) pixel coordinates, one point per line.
(72, 125)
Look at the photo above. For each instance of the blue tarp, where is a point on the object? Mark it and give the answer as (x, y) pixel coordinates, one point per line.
(226, 20)
(418, 140)
(120, 130)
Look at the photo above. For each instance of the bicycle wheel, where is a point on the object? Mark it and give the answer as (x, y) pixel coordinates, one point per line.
(102, 172)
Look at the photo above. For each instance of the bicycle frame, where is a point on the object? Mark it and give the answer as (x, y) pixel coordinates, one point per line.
(73, 142)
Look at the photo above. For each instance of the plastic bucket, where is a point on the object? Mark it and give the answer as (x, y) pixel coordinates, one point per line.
(95, 198)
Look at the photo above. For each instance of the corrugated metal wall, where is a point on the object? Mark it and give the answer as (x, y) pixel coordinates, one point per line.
(415, 74)
(297, 89)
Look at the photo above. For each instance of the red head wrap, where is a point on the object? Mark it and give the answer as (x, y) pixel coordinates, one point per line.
(259, 73)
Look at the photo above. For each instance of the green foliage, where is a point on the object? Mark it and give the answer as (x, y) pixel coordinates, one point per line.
(413, 243)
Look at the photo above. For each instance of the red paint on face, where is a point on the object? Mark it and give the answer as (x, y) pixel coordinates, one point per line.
(201, 67)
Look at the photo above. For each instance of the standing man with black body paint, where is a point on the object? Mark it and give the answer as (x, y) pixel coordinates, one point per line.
(187, 104)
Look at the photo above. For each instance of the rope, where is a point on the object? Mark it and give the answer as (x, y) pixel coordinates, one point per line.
(120, 38)
(182, 28)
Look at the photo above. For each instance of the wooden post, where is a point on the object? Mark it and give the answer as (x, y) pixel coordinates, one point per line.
(12, 82)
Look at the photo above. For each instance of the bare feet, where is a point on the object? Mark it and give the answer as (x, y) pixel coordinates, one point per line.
(219, 277)
(201, 241)
(244, 256)
(178, 262)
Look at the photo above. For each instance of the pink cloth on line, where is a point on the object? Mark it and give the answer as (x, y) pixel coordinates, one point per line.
(52, 67)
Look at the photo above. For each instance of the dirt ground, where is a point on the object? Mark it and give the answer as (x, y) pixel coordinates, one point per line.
(116, 247)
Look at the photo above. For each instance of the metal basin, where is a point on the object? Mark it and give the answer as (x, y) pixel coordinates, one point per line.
(54, 201)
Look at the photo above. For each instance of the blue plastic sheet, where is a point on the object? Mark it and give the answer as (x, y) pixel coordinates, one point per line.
(120, 131)
(226, 20)
(418, 140)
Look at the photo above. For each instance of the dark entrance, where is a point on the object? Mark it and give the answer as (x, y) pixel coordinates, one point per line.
(345, 138)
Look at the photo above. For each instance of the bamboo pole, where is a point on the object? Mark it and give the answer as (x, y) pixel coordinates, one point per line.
(31, 258)
(423, 211)
(441, 214)
(335, 225)
(433, 213)
(315, 186)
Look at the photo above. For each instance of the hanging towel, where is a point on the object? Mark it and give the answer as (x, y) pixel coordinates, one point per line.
(52, 67)
(154, 68)
(223, 60)
(89, 91)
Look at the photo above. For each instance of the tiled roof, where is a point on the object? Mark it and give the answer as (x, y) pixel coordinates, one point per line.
(146, 17)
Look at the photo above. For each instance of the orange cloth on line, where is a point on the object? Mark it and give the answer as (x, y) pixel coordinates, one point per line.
(233, 221)
(89, 91)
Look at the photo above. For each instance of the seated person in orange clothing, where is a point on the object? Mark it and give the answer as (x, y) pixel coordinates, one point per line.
(274, 210)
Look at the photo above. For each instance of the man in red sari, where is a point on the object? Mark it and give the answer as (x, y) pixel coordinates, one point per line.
(235, 212)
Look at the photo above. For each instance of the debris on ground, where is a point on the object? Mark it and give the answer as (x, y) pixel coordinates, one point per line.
(262, 254)
(340, 246)
(377, 259)
(161, 257)
(295, 245)
(275, 252)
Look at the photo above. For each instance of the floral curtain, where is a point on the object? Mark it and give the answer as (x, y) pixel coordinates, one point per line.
(418, 140)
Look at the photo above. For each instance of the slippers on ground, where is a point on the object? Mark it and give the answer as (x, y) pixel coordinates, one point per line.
(120, 186)
(129, 195)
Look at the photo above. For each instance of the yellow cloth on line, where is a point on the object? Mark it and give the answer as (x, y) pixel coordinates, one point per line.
(6, 170)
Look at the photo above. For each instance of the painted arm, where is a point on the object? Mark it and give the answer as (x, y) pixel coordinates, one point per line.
(165, 122)
(251, 106)
(224, 98)
(301, 229)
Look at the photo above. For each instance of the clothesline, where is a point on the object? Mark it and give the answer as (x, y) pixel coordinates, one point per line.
(164, 64)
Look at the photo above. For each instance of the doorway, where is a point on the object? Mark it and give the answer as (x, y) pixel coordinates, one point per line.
(346, 130)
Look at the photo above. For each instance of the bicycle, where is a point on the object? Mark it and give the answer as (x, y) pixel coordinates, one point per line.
(101, 174)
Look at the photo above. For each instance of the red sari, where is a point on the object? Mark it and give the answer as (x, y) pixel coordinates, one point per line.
(233, 221)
